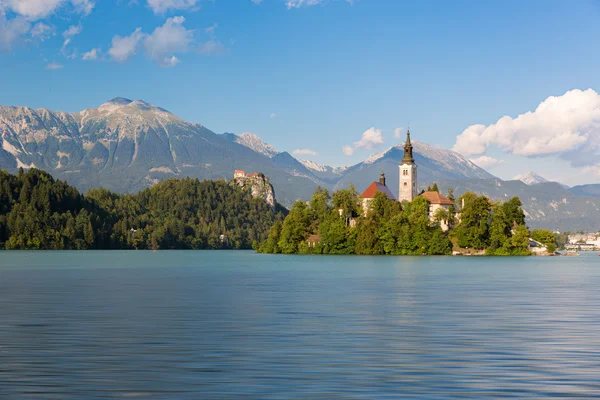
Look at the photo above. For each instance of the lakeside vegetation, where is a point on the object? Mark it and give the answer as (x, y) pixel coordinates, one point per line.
(39, 212)
(390, 227)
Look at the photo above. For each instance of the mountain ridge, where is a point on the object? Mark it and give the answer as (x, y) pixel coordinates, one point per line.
(126, 145)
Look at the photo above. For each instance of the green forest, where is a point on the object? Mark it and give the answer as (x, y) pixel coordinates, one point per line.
(389, 227)
(39, 212)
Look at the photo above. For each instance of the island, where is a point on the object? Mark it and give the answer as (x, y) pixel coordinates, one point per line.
(425, 223)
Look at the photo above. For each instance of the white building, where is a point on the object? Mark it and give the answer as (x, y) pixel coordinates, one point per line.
(369, 194)
(438, 202)
(408, 173)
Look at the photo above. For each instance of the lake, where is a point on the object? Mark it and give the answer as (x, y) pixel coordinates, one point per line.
(225, 325)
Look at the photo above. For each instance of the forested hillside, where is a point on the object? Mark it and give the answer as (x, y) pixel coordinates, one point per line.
(39, 212)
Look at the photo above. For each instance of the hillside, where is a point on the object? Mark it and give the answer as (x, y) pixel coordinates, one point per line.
(546, 205)
(39, 212)
(126, 145)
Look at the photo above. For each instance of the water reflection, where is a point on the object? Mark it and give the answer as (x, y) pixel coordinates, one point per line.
(221, 325)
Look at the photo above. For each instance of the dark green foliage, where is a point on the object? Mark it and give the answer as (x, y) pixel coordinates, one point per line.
(508, 233)
(336, 235)
(547, 238)
(561, 239)
(473, 230)
(37, 212)
(295, 228)
(385, 229)
(433, 188)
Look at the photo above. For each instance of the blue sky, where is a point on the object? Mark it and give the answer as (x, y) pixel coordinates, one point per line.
(321, 75)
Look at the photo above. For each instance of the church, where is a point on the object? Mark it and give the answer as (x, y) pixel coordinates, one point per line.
(408, 189)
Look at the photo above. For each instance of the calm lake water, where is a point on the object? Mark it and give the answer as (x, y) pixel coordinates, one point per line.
(228, 325)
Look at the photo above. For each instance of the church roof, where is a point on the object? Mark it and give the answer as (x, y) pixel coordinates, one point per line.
(436, 198)
(375, 187)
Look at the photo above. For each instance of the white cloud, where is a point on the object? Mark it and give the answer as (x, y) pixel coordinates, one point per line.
(167, 40)
(162, 6)
(370, 138)
(211, 47)
(38, 9)
(272, 115)
(41, 31)
(211, 29)
(84, 7)
(73, 30)
(32, 9)
(11, 30)
(257, 1)
(54, 66)
(164, 43)
(124, 47)
(399, 133)
(347, 150)
(486, 162)
(301, 3)
(91, 55)
(567, 125)
(304, 152)
(170, 62)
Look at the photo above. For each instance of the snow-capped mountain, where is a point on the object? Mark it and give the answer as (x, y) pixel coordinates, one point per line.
(252, 141)
(126, 145)
(314, 166)
(531, 178)
(324, 171)
(434, 164)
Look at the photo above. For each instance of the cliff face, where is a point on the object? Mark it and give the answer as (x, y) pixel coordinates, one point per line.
(259, 186)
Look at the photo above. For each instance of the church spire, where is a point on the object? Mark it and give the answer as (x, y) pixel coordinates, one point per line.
(382, 178)
(408, 155)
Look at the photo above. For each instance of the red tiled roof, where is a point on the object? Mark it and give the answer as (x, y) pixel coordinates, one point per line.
(436, 198)
(239, 171)
(375, 187)
(314, 239)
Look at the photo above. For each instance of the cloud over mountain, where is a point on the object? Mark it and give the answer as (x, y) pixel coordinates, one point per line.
(486, 161)
(568, 125)
(369, 139)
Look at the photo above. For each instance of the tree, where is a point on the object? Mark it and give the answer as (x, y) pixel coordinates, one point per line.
(335, 235)
(473, 229)
(348, 200)
(546, 237)
(433, 188)
(295, 228)
(319, 207)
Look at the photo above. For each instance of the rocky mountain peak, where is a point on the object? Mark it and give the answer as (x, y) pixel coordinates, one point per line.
(253, 142)
(531, 178)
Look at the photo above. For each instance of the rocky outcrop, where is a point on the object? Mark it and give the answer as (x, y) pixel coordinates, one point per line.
(259, 186)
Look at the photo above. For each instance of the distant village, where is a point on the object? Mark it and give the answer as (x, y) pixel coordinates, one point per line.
(583, 242)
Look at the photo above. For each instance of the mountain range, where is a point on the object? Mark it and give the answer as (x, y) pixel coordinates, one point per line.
(126, 145)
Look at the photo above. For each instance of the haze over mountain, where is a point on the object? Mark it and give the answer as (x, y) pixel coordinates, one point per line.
(126, 145)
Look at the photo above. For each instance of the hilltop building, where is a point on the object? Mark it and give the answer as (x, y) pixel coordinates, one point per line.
(369, 194)
(408, 173)
(258, 184)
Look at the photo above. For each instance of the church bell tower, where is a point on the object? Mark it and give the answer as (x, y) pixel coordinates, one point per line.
(408, 173)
